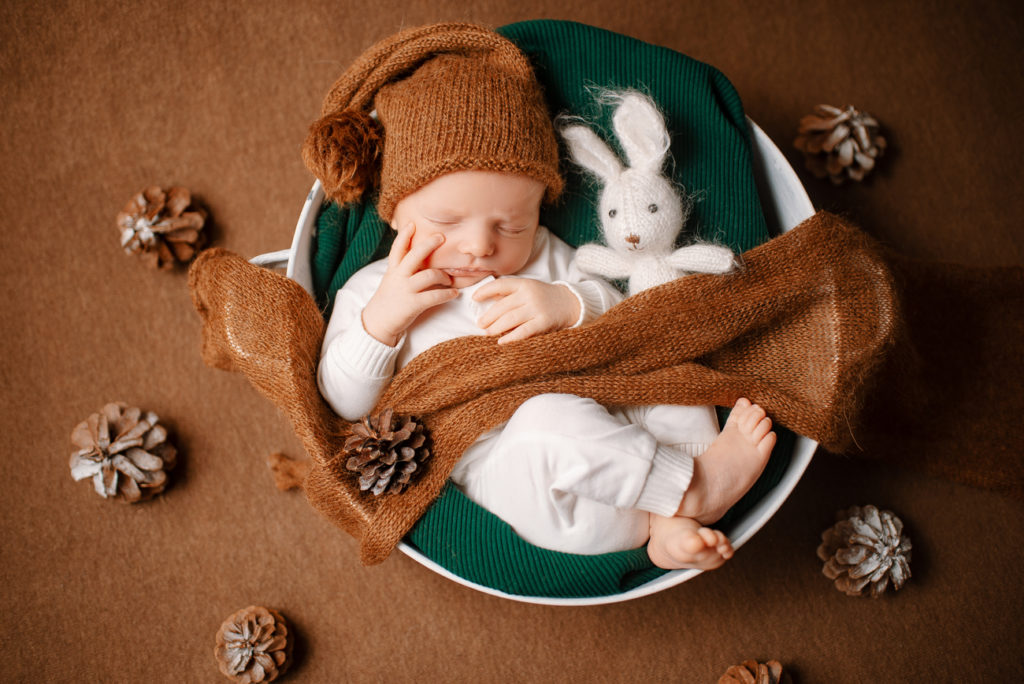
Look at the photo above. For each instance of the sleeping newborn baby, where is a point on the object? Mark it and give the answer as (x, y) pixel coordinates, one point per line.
(568, 474)
(466, 156)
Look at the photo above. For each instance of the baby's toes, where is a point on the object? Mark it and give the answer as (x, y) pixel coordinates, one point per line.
(709, 536)
(741, 404)
(711, 560)
(761, 429)
(723, 545)
(766, 444)
(693, 544)
(751, 417)
(740, 414)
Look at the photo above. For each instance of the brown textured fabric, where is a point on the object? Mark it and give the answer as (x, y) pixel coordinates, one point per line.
(798, 330)
(267, 327)
(464, 80)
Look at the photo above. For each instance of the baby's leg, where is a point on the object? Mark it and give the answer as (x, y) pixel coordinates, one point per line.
(721, 476)
(693, 428)
(731, 465)
(683, 543)
(565, 474)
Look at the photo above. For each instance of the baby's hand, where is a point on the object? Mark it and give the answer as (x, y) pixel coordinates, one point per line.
(407, 289)
(526, 307)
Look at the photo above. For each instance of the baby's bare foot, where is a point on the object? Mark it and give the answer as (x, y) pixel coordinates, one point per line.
(682, 543)
(731, 465)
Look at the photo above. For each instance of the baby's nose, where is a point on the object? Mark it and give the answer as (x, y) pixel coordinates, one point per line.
(478, 242)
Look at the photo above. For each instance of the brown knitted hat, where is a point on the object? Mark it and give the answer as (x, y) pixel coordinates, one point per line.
(449, 97)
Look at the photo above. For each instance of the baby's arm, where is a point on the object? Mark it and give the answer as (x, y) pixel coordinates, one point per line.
(356, 365)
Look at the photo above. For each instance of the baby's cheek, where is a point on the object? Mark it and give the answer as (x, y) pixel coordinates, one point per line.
(436, 256)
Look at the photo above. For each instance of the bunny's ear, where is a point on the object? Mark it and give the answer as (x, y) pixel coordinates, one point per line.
(642, 133)
(592, 153)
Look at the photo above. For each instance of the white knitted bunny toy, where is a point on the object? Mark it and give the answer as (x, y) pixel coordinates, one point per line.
(641, 212)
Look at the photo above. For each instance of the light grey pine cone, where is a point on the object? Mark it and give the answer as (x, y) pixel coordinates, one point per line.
(253, 645)
(124, 451)
(839, 143)
(865, 551)
(386, 451)
(162, 227)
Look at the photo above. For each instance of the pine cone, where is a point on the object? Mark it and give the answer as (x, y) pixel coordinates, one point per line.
(864, 551)
(124, 451)
(254, 645)
(162, 227)
(386, 451)
(839, 143)
(753, 672)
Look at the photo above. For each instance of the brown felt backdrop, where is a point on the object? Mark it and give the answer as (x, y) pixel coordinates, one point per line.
(99, 99)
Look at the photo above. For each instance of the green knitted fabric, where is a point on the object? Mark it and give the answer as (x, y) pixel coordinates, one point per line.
(711, 159)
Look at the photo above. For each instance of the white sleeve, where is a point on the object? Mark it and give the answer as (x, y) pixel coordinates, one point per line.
(595, 295)
(355, 367)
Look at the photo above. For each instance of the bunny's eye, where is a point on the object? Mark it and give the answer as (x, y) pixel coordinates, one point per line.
(612, 213)
(652, 208)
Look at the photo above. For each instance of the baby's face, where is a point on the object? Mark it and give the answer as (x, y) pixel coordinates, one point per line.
(488, 220)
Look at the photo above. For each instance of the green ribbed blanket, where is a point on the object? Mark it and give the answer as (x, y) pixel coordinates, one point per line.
(711, 152)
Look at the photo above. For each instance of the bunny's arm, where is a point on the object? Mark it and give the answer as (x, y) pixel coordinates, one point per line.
(703, 258)
(602, 261)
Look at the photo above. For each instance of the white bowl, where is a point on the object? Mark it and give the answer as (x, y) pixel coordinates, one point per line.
(785, 204)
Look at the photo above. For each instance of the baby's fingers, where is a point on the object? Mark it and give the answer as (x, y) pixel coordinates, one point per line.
(502, 316)
(428, 299)
(495, 311)
(521, 332)
(502, 287)
(429, 278)
(400, 247)
(418, 253)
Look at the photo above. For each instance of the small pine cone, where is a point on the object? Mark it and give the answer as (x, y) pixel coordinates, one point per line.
(864, 551)
(387, 451)
(254, 645)
(161, 227)
(753, 672)
(839, 143)
(124, 451)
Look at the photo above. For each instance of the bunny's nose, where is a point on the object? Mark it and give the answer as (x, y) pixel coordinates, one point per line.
(634, 241)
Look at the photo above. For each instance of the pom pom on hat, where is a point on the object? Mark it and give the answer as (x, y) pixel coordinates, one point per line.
(343, 151)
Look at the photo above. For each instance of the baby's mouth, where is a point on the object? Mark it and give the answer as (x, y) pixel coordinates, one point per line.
(466, 272)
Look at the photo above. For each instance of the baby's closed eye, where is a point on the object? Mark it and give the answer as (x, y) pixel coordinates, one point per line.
(444, 220)
(513, 229)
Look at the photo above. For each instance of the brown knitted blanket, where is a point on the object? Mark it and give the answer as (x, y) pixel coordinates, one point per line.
(799, 329)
